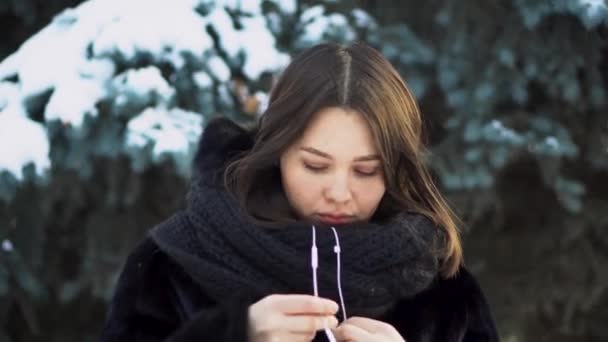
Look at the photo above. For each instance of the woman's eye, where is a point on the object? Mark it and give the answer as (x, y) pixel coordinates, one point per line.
(315, 168)
(366, 173)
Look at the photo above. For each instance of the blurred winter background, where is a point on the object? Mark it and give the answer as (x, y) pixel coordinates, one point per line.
(102, 101)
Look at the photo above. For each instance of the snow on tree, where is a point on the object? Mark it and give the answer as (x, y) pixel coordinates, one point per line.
(110, 61)
(101, 109)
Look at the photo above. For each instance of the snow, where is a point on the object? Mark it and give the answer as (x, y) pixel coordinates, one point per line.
(161, 30)
(254, 41)
(202, 79)
(595, 11)
(248, 6)
(22, 141)
(9, 67)
(8, 91)
(56, 57)
(144, 84)
(274, 22)
(594, 6)
(100, 69)
(76, 58)
(61, 50)
(287, 6)
(363, 19)
(259, 43)
(172, 132)
(219, 68)
(318, 24)
(7, 245)
(552, 142)
(496, 131)
(222, 23)
(70, 109)
(263, 99)
(311, 13)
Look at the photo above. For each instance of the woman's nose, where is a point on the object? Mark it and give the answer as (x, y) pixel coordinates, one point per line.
(338, 190)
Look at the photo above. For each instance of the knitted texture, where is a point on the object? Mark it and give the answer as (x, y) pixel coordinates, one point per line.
(228, 254)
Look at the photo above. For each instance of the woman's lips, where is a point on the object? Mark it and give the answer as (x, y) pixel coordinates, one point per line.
(334, 219)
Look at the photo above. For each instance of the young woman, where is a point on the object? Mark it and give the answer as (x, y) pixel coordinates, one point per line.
(320, 223)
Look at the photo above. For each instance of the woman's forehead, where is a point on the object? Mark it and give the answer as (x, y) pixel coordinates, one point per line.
(335, 132)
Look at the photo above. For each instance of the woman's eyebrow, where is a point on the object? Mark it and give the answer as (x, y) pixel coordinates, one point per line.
(313, 150)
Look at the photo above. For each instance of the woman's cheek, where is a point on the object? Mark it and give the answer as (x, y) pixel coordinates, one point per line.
(373, 192)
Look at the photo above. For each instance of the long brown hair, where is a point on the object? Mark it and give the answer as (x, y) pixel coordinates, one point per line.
(354, 77)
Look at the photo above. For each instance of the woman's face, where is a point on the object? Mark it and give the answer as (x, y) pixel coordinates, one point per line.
(333, 173)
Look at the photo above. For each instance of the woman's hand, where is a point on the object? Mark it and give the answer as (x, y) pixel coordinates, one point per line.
(359, 329)
(290, 318)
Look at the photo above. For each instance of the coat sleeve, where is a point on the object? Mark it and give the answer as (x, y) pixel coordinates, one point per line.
(481, 326)
(144, 307)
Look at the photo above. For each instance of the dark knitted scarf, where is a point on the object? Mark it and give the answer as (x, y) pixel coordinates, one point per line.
(229, 255)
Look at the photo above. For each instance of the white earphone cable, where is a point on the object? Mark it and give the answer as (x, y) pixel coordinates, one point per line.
(339, 275)
(314, 261)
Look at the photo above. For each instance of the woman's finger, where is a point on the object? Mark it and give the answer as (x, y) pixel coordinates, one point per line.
(371, 325)
(303, 336)
(303, 305)
(292, 337)
(309, 324)
(295, 337)
(350, 332)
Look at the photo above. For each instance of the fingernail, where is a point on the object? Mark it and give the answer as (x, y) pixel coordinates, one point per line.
(335, 306)
(332, 321)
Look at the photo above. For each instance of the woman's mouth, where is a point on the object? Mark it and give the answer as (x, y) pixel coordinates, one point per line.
(334, 219)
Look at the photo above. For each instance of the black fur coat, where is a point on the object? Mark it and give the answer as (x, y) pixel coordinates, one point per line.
(156, 300)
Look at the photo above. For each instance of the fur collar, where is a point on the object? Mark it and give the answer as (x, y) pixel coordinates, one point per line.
(222, 139)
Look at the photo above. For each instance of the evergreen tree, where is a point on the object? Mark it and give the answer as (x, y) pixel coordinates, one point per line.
(101, 110)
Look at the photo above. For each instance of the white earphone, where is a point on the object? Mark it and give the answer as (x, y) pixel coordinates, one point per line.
(314, 261)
